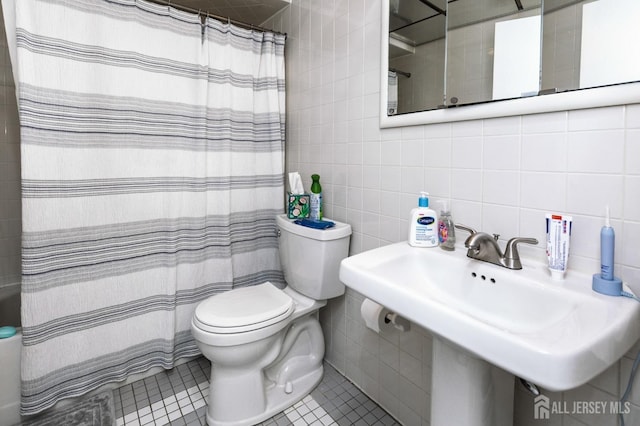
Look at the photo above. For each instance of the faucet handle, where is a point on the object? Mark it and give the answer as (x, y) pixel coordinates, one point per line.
(465, 228)
(511, 255)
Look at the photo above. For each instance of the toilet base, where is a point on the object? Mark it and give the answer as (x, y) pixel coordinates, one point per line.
(277, 399)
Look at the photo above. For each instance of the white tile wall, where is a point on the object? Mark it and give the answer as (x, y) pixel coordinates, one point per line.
(502, 175)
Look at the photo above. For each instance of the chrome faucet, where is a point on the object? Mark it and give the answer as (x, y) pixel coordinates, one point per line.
(484, 247)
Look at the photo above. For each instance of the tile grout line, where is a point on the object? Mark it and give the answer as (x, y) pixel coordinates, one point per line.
(182, 395)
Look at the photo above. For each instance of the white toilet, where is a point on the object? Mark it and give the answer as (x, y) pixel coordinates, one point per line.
(265, 344)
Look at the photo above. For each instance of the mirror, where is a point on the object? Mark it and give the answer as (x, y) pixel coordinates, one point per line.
(416, 76)
(493, 50)
(470, 59)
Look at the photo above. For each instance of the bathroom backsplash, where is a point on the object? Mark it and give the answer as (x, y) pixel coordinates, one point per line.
(502, 176)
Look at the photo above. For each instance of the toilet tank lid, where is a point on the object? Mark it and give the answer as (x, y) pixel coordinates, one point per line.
(340, 230)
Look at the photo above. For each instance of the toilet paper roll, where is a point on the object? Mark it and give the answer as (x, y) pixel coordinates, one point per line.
(373, 315)
(378, 318)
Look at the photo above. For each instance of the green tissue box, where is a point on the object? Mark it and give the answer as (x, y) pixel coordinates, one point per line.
(298, 205)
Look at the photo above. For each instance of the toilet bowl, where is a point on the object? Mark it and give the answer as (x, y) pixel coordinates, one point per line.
(265, 344)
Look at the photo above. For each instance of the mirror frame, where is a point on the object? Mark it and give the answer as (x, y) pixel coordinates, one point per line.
(621, 94)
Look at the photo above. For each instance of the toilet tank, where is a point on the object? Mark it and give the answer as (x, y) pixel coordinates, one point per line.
(311, 257)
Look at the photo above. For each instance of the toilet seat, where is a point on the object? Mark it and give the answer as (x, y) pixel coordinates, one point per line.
(243, 310)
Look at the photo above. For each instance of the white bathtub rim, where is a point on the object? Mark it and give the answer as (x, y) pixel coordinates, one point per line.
(10, 380)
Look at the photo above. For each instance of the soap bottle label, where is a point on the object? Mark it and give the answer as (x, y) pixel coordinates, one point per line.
(315, 211)
(443, 232)
(425, 220)
(316, 198)
(425, 229)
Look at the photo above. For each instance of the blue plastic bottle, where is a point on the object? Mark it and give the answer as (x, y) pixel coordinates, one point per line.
(7, 331)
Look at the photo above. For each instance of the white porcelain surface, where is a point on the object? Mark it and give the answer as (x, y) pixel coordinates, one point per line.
(10, 380)
(462, 380)
(261, 365)
(310, 257)
(266, 344)
(558, 335)
(244, 309)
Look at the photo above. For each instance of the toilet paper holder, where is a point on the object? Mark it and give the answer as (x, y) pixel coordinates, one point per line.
(398, 322)
(378, 318)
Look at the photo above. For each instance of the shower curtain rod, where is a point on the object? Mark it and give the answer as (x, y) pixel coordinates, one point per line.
(205, 13)
(403, 73)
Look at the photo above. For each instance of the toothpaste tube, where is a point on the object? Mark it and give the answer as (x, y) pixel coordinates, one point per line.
(558, 238)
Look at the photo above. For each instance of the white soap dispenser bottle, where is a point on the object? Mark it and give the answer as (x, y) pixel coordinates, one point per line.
(423, 224)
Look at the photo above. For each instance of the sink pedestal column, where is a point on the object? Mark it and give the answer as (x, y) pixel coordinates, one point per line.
(468, 391)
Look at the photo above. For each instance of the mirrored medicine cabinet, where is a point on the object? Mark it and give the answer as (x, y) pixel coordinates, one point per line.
(453, 60)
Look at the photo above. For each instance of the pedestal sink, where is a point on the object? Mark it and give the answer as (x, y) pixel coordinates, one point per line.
(555, 334)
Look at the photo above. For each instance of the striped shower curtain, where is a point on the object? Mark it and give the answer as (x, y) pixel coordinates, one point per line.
(152, 172)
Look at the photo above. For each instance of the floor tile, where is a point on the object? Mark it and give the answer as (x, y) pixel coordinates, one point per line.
(178, 397)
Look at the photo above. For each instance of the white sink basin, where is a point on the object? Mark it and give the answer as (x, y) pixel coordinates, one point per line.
(557, 334)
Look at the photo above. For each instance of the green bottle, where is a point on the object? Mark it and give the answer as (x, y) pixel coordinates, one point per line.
(315, 212)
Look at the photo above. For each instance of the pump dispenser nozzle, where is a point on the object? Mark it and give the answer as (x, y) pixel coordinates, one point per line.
(423, 201)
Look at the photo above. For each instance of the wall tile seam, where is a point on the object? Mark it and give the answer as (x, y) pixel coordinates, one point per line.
(625, 265)
(554, 173)
(497, 204)
(596, 130)
(507, 170)
(466, 169)
(588, 173)
(598, 216)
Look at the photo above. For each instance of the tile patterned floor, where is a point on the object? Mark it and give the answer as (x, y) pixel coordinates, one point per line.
(178, 397)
